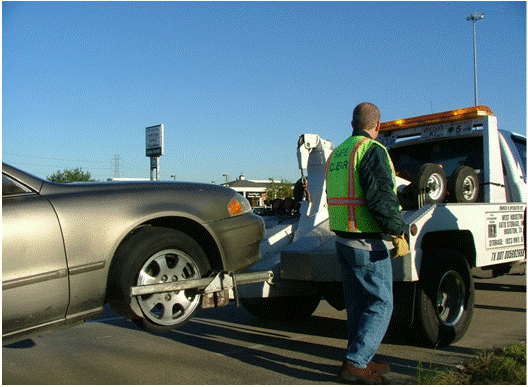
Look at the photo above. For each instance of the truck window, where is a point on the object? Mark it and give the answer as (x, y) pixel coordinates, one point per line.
(450, 153)
(520, 144)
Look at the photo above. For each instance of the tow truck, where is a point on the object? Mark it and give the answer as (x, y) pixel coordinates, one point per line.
(462, 186)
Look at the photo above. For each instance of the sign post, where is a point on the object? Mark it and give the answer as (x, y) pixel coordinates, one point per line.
(154, 148)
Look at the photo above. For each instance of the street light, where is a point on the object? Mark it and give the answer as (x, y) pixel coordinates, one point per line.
(476, 16)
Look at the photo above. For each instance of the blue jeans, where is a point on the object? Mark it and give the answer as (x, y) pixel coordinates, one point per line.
(367, 286)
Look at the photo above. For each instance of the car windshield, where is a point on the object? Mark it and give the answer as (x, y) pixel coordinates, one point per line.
(450, 154)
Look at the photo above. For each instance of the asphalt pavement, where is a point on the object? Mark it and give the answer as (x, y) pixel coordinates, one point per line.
(230, 346)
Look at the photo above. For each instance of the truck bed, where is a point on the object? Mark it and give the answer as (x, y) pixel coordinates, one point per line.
(497, 231)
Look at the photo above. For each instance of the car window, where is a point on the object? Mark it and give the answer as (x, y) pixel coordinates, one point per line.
(11, 187)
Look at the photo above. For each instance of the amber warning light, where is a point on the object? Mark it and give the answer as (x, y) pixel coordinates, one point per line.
(449, 116)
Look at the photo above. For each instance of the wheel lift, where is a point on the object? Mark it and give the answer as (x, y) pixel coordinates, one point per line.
(215, 289)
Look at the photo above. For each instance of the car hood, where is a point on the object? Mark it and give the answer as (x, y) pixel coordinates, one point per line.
(55, 188)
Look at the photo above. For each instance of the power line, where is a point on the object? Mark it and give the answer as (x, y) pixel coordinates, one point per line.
(55, 158)
(55, 166)
(55, 162)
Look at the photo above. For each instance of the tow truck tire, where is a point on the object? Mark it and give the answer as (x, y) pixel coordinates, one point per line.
(282, 308)
(464, 185)
(430, 183)
(445, 298)
(150, 256)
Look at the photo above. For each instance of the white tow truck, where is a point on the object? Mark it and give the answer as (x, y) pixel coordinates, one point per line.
(462, 185)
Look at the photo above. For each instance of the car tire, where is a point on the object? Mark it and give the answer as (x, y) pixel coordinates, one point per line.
(282, 308)
(430, 185)
(155, 255)
(445, 298)
(464, 185)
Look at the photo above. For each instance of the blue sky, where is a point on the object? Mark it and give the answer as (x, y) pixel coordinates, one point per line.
(236, 83)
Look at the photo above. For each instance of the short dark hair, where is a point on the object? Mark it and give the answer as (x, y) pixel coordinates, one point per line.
(366, 115)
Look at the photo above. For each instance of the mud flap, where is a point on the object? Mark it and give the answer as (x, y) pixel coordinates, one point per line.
(404, 300)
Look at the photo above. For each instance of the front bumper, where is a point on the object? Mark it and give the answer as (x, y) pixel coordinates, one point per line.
(239, 238)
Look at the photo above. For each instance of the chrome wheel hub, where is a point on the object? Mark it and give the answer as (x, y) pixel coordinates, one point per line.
(168, 308)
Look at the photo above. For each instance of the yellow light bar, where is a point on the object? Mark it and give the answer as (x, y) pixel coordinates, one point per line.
(430, 119)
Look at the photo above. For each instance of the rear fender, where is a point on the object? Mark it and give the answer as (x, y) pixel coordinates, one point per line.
(460, 240)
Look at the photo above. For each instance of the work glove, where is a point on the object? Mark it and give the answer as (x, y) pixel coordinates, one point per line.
(401, 247)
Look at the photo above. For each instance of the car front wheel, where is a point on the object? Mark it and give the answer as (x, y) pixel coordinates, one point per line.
(156, 255)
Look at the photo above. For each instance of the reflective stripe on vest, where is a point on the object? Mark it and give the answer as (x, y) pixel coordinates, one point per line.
(346, 205)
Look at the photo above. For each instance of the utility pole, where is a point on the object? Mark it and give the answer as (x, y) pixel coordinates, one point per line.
(117, 164)
(474, 18)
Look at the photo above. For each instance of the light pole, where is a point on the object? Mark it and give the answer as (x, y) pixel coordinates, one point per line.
(476, 16)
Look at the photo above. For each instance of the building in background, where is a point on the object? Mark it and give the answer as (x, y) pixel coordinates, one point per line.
(252, 190)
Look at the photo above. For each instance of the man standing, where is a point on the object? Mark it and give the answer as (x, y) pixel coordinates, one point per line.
(365, 214)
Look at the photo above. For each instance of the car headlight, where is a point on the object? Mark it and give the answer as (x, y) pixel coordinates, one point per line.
(238, 205)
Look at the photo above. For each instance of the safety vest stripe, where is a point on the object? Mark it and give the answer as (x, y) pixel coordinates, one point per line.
(345, 201)
(352, 177)
(352, 216)
(351, 203)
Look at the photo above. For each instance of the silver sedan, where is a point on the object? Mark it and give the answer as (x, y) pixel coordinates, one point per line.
(68, 249)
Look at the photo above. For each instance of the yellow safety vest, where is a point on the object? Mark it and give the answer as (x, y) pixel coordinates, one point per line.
(345, 197)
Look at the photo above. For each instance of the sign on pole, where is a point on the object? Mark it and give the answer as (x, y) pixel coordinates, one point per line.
(154, 148)
(154, 140)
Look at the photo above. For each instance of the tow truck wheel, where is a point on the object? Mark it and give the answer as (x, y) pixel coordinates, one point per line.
(430, 185)
(151, 256)
(445, 298)
(282, 308)
(464, 185)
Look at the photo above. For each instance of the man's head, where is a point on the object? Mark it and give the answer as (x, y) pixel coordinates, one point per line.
(366, 117)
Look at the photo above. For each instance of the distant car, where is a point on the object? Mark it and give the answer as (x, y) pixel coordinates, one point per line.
(68, 249)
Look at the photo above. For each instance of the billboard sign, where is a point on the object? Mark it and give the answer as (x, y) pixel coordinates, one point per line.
(154, 140)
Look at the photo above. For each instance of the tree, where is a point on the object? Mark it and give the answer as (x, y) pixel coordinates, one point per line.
(70, 175)
(281, 190)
